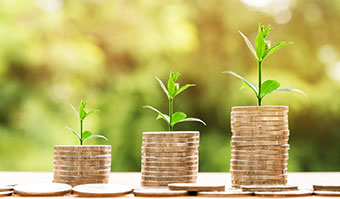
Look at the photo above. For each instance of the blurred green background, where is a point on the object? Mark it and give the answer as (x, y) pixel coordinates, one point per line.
(55, 53)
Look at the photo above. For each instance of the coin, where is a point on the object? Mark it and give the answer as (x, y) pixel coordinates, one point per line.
(75, 182)
(169, 173)
(170, 140)
(259, 182)
(81, 173)
(163, 183)
(259, 177)
(259, 167)
(169, 169)
(169, 149)
(168, 178)
(82, 147)
(179, 154)
(259, 138)
(169, 159)
(44, 189)
(260, 157)
(255, 132)
(260, 128)
(259, 113)
(81, 167)
(326, 187)
(264, 147)
(6, 188)
(101, 190)
(5, 193)
(83, 162)
(172, 134)
(258, 172)
(82, 158)
(225, 194)
(260, 108)
(259, 162)
(158, 193)
(327, 193)
(196, 187)
(297, 193)
(98, 177)
(170, 164)
(183, 144)
(242, 123)
(259, 152)
(269, 188)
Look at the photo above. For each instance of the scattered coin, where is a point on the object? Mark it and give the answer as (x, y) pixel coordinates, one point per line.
(158, 193)
(297, 193)
(225, 194)
(101, 190)
(196, 187)
(45, 189)
(5, 193)
(326, 187)
(266, 188)
(6, 188)
(327, 193)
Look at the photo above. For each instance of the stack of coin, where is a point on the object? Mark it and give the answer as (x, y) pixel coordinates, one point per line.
(260, 147)
(77, 165)
(169, 157)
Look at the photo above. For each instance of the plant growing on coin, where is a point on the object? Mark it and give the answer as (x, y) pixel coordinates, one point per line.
(82, 115)
(263, 49)
(171, 92)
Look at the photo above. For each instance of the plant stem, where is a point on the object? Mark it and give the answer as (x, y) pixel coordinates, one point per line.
(81, 132)
(260, 82)
(171, 107)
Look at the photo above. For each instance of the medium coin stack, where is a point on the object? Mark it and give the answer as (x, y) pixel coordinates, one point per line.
(169, 157)
(260, 146)
(77, 165)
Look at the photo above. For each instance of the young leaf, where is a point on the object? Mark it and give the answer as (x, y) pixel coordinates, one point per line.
(251, 85)
(245, 85)
(266, 31)
(98, 136)
(163, 87)
(178, 116)
(190, 119)
(164, 116)
(86, 134)
(89, 113)
(260, 45)
(269, 86)
(159, 116)
(171, 85)
(73, 131)
(82, 112)
(183, 88)
(276, 47)
(250, 46)
(74, 109)
(290, 90)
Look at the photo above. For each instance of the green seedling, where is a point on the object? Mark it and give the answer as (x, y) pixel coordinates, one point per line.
(171, 92)
(263, 50)
(82, 114)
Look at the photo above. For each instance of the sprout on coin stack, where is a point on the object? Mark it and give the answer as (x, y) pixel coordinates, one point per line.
(170, 156)
(82, 164)
(260, 133)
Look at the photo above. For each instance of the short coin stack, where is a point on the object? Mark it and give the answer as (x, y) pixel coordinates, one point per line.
(260, 147)
(169, 157)
(77, 165)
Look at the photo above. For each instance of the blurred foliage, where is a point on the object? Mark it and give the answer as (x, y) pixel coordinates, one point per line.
(57, 52)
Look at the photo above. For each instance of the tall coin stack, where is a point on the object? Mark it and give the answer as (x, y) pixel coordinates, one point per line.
(77, 165)
(169, 157)
(260, 146)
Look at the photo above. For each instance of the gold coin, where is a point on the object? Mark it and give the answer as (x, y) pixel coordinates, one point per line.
(79, 182)
(170, 159)
(169, 178)
(243, 123)
(82, 147)
(170, 169)
(259, 167)
(158, 193)
(97, 177)
(258, 177)
(171, 140)
(259, 138)
(149, 183)
(101, 190)
(259, 182)
(172, 134)
(264, 147)
(232, 193)
(281, 152)
(259, 113)
(184, 144)
(81, 172)
(180, 154)
(260, 108)
(82, 162)
(258, 162)
(327, 193)
(169, 149)
(82, 153)
(5, 193)
(284, 194)
(269, 188)
(260, 128)
(82, 158)
(82, 167)
(170, 164)
(259, 157)
(43, 189)
(260, 133)
(197, 187)
(326, 187)
(167, 173)
(257, 172)
(258, 143)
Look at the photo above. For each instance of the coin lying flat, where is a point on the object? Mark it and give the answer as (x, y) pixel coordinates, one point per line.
(158, 193)
(269, 188)
(326, 187)
(327, 193)
(6, 188)
(196, 187)
(225, 194)
(46, 189)
(297, 193)
(101, 190)
(5, 193)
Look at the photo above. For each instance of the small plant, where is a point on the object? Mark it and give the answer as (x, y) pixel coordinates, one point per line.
(263, 49)
(173, 90)
(82, 114)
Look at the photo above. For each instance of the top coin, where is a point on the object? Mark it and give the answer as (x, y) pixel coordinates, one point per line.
(81, 147)
(259, 108)
(172, 134)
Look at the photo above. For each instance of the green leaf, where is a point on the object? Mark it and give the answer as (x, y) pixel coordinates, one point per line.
(171, 85)
(176, 117)
(159, 116)
(251, 85)
(86, 134)
(190, 119)
(245, 85)
(260, 45)
(276, 47)
(183, 88)
(82, 112)
(164, 116)
(74, 109)
(289, 90)
(98, 136)
(266, 31)
(250, 46)
(163, 86)
(74, 132)
(91, 112)
(269, 86)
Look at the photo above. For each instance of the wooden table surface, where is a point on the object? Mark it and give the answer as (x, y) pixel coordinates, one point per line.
(304, 180)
